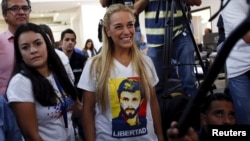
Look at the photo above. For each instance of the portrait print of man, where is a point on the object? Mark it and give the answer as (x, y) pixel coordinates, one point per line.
(131, 120)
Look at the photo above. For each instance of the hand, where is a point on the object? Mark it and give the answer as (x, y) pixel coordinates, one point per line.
(77, 108)
(172, 134)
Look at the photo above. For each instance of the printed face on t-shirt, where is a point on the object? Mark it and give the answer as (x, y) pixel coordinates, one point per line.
(130, 103)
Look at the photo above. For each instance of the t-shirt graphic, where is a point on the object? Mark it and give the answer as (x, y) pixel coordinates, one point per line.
(128, 107)
(56, 110)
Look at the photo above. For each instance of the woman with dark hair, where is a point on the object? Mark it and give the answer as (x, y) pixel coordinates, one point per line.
(89, 49)
(48, 31)
(40, 92)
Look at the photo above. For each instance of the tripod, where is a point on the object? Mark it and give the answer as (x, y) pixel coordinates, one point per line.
(168, 39)
(231, 40)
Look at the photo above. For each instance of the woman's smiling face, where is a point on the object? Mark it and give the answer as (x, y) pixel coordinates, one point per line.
(121, 29)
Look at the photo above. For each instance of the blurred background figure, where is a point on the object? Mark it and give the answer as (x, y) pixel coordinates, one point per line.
(207, 31)
(143, 45)
(76, 61)
(12, 10)
(89, 49)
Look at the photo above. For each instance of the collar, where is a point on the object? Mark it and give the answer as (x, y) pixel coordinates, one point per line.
(9, 35)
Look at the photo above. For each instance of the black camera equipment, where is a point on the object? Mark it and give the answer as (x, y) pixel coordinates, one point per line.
(243, 28)
(173, 86)
(168, 39)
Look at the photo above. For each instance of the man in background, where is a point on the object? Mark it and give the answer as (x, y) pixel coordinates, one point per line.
(182, 49)
(218, 109)
(15, 13)
(76, 61)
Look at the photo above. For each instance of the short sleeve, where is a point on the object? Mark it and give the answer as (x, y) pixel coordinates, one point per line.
(152, 72)
(20, 89)
(87, 82)
(65, 61)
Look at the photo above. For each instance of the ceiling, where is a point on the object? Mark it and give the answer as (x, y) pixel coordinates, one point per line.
(56, 8)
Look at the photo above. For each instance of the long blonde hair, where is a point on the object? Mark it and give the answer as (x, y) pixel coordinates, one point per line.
(103, 63)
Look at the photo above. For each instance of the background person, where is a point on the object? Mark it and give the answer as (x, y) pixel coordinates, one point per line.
(237, 63)
(15, 13)
(207, 31)
(89, 49)
(218, 109)
(76, 61)
(9, 130)
(143, 45)
(63, 57)
(182, 49)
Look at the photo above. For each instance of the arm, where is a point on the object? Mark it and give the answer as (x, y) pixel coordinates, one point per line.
(88, 115)
(193, 2)
(155, 109)
(140, 5)
(26, 118)
(77, 108)
(11, 131)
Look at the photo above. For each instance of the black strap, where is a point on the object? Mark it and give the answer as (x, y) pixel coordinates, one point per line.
(221, 8)
(63, 103)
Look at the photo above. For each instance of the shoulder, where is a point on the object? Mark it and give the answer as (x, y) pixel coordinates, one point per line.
(20, 89)
(19, 77)
(64, 58)
(5, 35)
(78, 50)
(18, 81)
(78, 53)
(147, 59)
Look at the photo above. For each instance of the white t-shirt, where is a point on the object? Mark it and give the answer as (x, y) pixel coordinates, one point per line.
(51, 124)
(65, 60)
(103, 122)
(238, 61)
(89, 53)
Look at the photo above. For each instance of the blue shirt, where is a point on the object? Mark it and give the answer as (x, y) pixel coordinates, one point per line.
(9, 129)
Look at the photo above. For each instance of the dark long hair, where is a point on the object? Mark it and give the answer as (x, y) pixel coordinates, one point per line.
(92, 49)
(48, 31)
(42, 89)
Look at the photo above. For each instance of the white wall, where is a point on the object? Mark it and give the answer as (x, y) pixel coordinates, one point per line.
(214, 5)
(91, 14)
(85, 21)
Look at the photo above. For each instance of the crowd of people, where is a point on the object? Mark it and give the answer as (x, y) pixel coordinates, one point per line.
(47, 91)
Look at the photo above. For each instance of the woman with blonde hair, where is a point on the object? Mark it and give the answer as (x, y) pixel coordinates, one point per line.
(120, 66)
